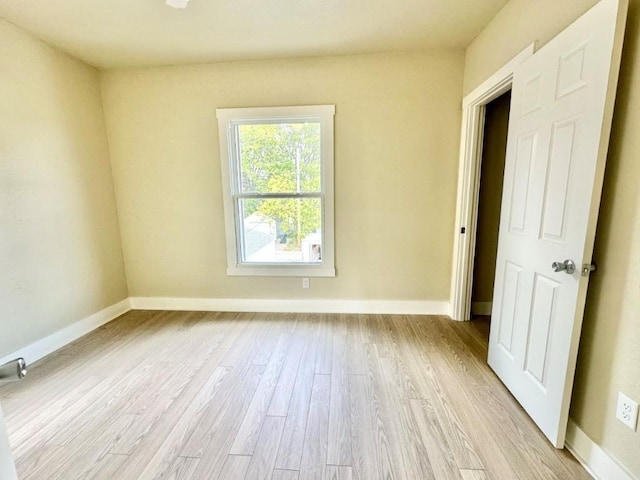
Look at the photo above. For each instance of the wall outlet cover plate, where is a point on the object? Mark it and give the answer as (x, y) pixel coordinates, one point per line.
(627, 411)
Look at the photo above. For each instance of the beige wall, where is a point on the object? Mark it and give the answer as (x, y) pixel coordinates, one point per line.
(518, 24)
(397, 135)
(60, 256)
(609, 357)
(494, 149)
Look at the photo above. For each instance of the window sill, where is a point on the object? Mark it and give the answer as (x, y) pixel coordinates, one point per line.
(288, 271)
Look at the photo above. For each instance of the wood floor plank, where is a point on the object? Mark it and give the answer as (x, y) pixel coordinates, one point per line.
(46, 375)
(447, 347)
(365, 458)
(213, 439)
(339, 473)
(476, 335)
(285, 475)
(384, 341)
(415, 458)
(149, 446)
(281, 398)
(169, 395)
(476, 343)
(269, 338)
(314, 454)
(113, 431)
(85, 462)
(42, 426)
(251, 338)
(182, 468)
(386, 433)
(292, 441)
(339, 440)
(115, 398)
(434, 440)
(246, 438)
(234, 396)
(235, 467)
(471, 363)
(409, 358)
(264, 455)
(340, 322)
(491, 457)
(214, 436)
(524, 450)
(502, 409)
(367, 329)
(154, 411)
(458, 438)
(103, 467)
(146, 399)
(136, 393)
(325, 345)
(357, 364)
(474, 475)
(173, 443)
(30, 464)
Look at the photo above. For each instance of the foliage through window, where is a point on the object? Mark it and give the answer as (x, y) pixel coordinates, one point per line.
(277, 166)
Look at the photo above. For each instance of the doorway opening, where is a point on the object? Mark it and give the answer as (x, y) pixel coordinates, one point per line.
(473, 118)
(494, 149)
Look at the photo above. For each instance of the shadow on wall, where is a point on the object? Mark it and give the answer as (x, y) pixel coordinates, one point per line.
(609, 287)
(60, 246)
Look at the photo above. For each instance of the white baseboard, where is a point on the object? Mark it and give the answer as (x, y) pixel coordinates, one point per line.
(403, 307)
(59, 339)
(593, 458)
(481, 308)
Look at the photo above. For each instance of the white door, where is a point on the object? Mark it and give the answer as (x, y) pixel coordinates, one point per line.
(7, 469)
(561, 110)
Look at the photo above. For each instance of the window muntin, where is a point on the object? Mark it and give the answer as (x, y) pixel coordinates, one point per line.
(278, 169)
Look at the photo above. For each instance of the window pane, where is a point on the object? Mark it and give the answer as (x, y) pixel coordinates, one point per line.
(279, 157)
(281, 230)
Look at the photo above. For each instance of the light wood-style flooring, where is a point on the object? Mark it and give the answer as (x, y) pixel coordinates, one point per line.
(232, 396)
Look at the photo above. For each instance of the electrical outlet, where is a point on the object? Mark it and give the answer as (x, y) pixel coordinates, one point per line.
(627, 411)
(305, 283)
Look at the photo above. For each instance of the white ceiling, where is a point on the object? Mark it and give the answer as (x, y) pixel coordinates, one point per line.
(120, 33)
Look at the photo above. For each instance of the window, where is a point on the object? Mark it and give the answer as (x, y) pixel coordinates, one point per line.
(277, 176)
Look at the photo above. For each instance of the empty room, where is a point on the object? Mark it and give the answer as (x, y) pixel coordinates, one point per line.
(319, 240)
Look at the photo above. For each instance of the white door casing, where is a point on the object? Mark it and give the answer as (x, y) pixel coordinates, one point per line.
(560, 121)
(471, 139)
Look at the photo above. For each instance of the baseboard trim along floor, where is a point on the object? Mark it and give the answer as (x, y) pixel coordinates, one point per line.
(592, 457)
(390, 307)
(49, 344)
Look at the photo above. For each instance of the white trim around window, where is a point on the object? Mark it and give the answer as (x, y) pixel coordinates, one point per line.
(234, 193)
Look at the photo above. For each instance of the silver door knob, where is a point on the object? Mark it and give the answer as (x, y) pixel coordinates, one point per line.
(567, 267)
(14, 370)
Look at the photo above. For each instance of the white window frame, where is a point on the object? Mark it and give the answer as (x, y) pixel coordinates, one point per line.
(228, 120)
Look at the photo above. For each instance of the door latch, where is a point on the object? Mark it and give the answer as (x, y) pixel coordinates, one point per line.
(587, 268)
